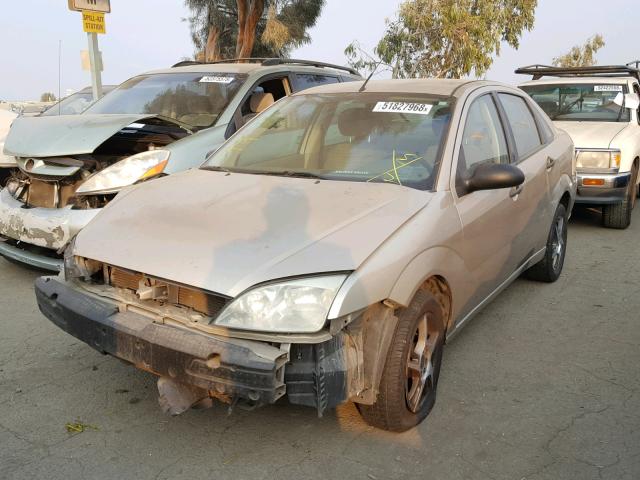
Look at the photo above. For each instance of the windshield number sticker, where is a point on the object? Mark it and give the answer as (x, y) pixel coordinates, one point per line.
(216, 79)
(607, 88)
(403, 107)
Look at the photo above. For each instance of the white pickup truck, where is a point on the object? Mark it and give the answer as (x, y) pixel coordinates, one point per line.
(599, 108)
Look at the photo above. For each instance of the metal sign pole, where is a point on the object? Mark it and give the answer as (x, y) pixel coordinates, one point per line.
(94, 60)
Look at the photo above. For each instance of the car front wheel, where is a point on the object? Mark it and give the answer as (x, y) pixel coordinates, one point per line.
(618, 215)
(407, 390)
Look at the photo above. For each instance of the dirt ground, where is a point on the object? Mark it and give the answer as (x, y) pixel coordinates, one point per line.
(543, 384)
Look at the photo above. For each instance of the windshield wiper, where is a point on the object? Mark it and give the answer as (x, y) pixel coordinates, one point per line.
(295, 173)
(217, 168)
(279, 173)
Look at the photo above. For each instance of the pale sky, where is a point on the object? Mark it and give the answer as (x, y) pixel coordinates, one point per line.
(148, 34)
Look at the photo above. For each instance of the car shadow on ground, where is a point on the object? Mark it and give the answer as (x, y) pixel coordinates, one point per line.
(586, 216)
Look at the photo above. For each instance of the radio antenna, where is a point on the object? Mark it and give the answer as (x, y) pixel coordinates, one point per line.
(364, 85)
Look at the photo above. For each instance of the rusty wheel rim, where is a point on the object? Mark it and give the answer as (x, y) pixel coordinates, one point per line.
(420, 372)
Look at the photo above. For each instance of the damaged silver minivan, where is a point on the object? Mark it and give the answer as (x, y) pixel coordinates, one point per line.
(328, 250)
(66, 168)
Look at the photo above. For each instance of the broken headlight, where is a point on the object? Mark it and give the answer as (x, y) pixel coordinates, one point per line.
(294, 306)
(126, 172)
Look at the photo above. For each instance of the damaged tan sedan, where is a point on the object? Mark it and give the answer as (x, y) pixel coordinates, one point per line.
(328, 250)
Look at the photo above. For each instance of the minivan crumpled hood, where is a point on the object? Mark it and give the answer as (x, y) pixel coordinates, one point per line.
(592, 134)
(227, 232)
(65, 134)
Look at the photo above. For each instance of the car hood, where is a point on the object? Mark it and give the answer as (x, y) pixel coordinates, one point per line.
(65, 134)
(226, 232)
(592, 134)
(6, 119)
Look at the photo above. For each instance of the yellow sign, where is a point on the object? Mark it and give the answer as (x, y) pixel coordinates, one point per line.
(93, 22)
(103, 6)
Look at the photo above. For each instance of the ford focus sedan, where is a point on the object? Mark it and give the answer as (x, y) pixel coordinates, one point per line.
(327, 251)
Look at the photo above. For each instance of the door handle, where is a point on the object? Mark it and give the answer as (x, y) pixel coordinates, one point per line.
(515, 191)
(550, 163)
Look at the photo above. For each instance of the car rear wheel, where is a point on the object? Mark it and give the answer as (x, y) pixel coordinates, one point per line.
(618, 215)
(409, 381)
(550, 267)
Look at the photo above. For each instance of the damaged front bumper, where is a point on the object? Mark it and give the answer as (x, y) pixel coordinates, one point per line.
(230, 369)
(47, 228)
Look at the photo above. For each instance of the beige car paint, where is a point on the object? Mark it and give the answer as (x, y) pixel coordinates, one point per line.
(227, 232)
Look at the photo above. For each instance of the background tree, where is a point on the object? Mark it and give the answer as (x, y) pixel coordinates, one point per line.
(47, 97)
(447, 38)
(244, 28)
(581, 56)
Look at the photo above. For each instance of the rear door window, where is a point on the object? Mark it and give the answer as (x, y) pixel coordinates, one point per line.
(302, 81)
(523, 125)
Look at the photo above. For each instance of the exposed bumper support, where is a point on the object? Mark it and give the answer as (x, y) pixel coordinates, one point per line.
(230, 369)
(612, 190)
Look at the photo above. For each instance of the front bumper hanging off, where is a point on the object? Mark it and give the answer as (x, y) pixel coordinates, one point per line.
(230, 369)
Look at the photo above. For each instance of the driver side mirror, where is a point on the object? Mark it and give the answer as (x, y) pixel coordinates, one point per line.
(493, 176)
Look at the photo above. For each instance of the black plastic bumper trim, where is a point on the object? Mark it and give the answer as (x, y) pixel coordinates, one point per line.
(224, 365)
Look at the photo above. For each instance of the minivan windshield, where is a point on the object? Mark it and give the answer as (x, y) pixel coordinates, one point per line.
(195, 99)
(580, 102)
(362, 137)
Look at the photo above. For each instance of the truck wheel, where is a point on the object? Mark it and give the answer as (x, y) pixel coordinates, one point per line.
(407, 390)
(618, 215)
(550, 267)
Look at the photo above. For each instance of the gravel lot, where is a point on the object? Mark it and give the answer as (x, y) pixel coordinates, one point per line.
(543, 384)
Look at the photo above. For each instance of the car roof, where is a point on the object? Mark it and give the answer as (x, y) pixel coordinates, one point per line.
(209, 68)
(579, 79)
(433, 86)
(251, 67)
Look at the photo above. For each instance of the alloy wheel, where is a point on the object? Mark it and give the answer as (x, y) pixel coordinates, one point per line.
(420, 373)
(558, 243)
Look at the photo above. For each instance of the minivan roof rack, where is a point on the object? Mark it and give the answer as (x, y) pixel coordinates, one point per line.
(539, 71)
(267, 62)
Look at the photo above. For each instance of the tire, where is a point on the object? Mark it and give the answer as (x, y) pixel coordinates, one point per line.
(401, 403)
(550, 267)
(618, 215)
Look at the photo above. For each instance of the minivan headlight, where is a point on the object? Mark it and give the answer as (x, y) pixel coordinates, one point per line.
(594, 159)
(126, 172)
(293, 306)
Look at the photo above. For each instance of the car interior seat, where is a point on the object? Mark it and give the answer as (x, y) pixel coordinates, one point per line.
(258, 102)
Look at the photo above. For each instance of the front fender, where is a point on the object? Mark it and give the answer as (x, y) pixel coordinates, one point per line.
(442, 262)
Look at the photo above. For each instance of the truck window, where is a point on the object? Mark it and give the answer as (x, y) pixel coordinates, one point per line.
(580, 102)
(308, 80)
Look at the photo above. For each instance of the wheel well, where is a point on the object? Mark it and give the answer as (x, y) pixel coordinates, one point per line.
(440, 289)
(566, 200)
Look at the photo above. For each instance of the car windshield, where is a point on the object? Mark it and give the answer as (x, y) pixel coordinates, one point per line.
(72, 105)
(581, 102)
(363, 137)
(195, 99)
